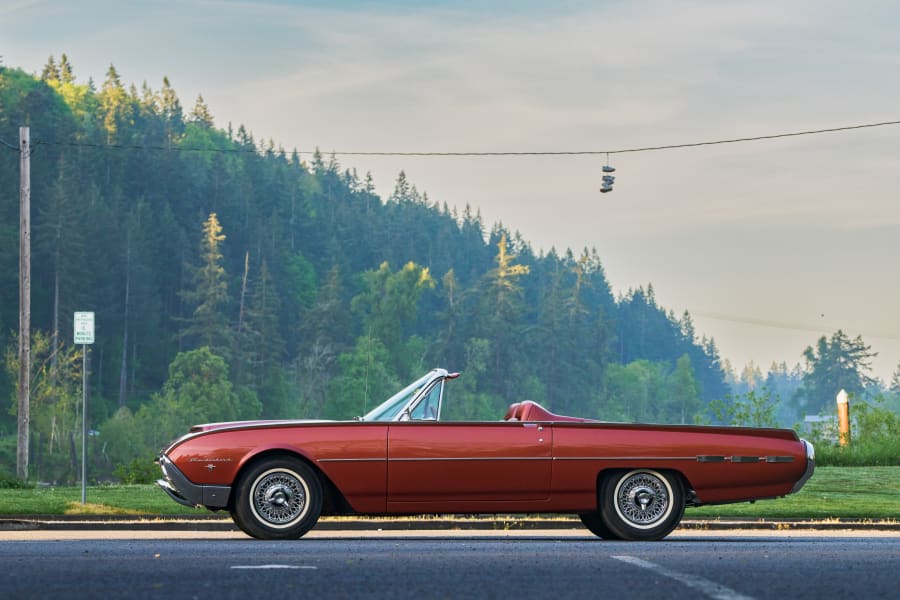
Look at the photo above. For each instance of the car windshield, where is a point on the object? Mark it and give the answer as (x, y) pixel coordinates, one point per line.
(390, 408)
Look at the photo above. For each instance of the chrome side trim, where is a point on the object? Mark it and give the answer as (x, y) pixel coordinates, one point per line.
(700, 458)
(457, 458)
(779, 459)
(746, 459)
(710, 459)
(336, 460)
(624, 458)
(467, 458)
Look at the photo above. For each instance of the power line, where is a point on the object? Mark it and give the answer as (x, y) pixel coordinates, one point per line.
(476, 153)
(144, 147)
(624, 150)
(8, 145)
(882, 335)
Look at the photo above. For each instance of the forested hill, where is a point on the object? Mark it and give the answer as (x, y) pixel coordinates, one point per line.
(319, 296)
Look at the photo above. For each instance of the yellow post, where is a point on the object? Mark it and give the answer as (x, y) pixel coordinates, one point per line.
(843, 407)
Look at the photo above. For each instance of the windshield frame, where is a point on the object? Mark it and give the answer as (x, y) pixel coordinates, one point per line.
(401, 403)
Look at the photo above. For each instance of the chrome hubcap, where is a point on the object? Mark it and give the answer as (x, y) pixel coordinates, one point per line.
(279, 498)
(642, 499)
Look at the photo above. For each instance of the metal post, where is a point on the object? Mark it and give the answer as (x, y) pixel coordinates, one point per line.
(83, 423)
(843, 407)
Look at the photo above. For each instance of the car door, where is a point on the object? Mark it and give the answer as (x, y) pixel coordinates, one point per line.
(468, 466)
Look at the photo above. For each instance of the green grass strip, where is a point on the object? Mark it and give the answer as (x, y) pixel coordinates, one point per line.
(832, 493)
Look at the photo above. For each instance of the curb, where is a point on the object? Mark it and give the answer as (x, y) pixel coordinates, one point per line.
(216, 523)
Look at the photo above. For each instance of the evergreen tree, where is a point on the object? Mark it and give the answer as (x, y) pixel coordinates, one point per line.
(115, 106)
(263, 343)
(208, 325)
(200, 114)
(500, 307)
(51, 70)
(171, 112)
(835, 364)
(65, 70)
(895, 381)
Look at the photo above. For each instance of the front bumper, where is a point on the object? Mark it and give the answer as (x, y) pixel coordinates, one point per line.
(183, 491)
(810, 467)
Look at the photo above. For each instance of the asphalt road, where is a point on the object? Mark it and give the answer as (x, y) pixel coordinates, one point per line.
(427, 565)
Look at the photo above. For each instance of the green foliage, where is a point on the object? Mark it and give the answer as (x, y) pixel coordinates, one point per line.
(462, 399)
(139, 470)
(122, 438)
(388, 304)
(650, 392)
(874, 438)
(8, 459)
(365, 380)
(8, 482)
(750, 409)
(197, 391)
(683, 398)
(55, 406)
(277, 395)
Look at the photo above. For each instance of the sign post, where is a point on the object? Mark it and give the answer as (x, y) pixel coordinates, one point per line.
(84, 335)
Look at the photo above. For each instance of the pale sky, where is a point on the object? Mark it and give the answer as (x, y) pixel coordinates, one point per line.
(768, 244)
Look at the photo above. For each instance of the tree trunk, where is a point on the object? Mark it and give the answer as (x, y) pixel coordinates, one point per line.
(123, 368)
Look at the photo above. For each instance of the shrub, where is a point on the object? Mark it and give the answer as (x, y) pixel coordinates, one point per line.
(874, 439)
(139, 470)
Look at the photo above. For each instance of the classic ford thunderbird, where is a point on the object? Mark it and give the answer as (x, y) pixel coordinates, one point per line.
(625, 481)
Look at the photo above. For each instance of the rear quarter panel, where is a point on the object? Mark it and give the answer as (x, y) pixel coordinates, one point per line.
(720, 464)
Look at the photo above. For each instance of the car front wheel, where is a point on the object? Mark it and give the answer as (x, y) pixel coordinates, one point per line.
(642, 504)
(277, 499)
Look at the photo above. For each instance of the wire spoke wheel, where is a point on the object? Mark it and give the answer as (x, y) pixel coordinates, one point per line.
(642, 504)
(643, 499)
(279, 497)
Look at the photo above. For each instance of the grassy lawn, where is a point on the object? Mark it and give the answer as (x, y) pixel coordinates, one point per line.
(101, 500)
(833, 492)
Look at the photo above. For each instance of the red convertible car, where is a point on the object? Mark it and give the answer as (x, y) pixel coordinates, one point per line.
(626, 481)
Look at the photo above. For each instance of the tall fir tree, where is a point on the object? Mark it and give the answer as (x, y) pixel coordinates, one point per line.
(208, 324)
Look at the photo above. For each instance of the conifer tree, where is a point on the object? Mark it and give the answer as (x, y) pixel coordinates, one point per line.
(208, 324)
(500, 310)
(65, 70)
(200, 114)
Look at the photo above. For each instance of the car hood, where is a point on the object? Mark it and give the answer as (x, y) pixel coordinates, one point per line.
(258, 423)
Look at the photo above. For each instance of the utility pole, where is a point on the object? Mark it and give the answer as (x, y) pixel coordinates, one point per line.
(24, 301)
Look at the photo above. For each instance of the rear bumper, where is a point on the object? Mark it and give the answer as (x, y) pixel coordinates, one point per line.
(183, 491)
(810, 467)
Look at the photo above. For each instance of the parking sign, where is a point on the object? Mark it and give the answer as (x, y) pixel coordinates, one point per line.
(84, 328)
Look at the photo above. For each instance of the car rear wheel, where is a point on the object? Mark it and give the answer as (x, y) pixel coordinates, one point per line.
(641, 504)
(594, 522)
(278, 499)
